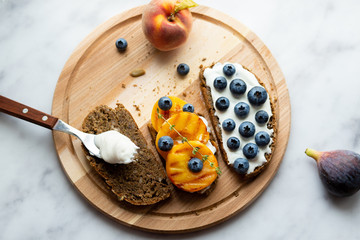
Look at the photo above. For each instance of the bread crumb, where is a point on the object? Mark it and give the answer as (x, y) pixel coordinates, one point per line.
(123, 85)
(184, 94)
(204, 59)
(136, 107)
(135, 85)
(201, 66)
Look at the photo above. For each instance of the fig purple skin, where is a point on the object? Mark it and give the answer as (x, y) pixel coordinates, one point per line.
(339, 171)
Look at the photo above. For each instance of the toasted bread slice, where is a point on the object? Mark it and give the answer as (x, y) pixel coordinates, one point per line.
(256, 166)
(142, 182)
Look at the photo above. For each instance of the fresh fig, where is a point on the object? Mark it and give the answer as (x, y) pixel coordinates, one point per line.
(339, 170)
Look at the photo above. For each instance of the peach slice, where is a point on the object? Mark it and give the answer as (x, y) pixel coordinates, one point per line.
(177, 106)
(189, 125)
(178, 171)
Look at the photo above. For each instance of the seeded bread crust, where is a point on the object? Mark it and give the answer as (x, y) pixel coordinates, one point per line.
(209, 102)
(142, 182)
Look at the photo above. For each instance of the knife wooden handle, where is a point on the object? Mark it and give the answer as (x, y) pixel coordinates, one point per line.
(26, 113)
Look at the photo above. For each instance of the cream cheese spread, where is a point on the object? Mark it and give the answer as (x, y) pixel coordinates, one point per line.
(251, 81)
(208, 144)
(115, 148)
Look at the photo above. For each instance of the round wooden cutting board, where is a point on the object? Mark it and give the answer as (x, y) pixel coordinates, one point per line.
(96, 73)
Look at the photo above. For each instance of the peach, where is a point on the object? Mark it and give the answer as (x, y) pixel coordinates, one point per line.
(177, 107)
(165, 25)
(188, 124)
(179, 173)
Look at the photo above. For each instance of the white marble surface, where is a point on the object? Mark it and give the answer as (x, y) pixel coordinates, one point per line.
(317, 45)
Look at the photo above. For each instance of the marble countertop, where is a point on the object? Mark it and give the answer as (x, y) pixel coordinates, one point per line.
(317, 45)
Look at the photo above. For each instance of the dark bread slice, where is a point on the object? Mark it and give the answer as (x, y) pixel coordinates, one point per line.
(142, 182)
(272, 123)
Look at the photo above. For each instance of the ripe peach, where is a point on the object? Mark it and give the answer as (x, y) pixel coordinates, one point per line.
(165, 28)
(177, 107)
(189, 125)
(179, 173)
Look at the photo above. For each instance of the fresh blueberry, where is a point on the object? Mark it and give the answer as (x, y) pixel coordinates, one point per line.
(121, 44)
(195, 165)
(183, 69)
(165, 143)
(165, 103)
(222, 103)
(237, 87)
(247, 129)
(241, 165)
(188, 108)
(229, 69)
(228, 124)
(250, 150)
(241, 109)
(262, 138)
(257, 95)
(261, 117)
(233, 143)
(220, 83)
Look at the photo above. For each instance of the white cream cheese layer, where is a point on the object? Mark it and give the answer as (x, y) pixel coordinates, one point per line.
(251, 81)
(115, 148)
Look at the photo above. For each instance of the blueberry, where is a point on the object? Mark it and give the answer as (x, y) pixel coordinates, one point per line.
(188, 108)
(195, 165)
(165, 103)
(247, 129)
(233, 143)
(183, 69)
(241, 165)
(250, 150)
(241, 109)
(261, 117)
(228, 124)
(229, 69)
(257, 95)
(237, 86)
(220, 83)
(222, 103)
(165, 143)
(121, 44)
(262, 138)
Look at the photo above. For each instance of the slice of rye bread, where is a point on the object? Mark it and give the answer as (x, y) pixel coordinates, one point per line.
(209, 102)
(142, 182)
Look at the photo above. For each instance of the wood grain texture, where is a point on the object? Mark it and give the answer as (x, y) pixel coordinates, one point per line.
(96, 73)
(26, 113)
